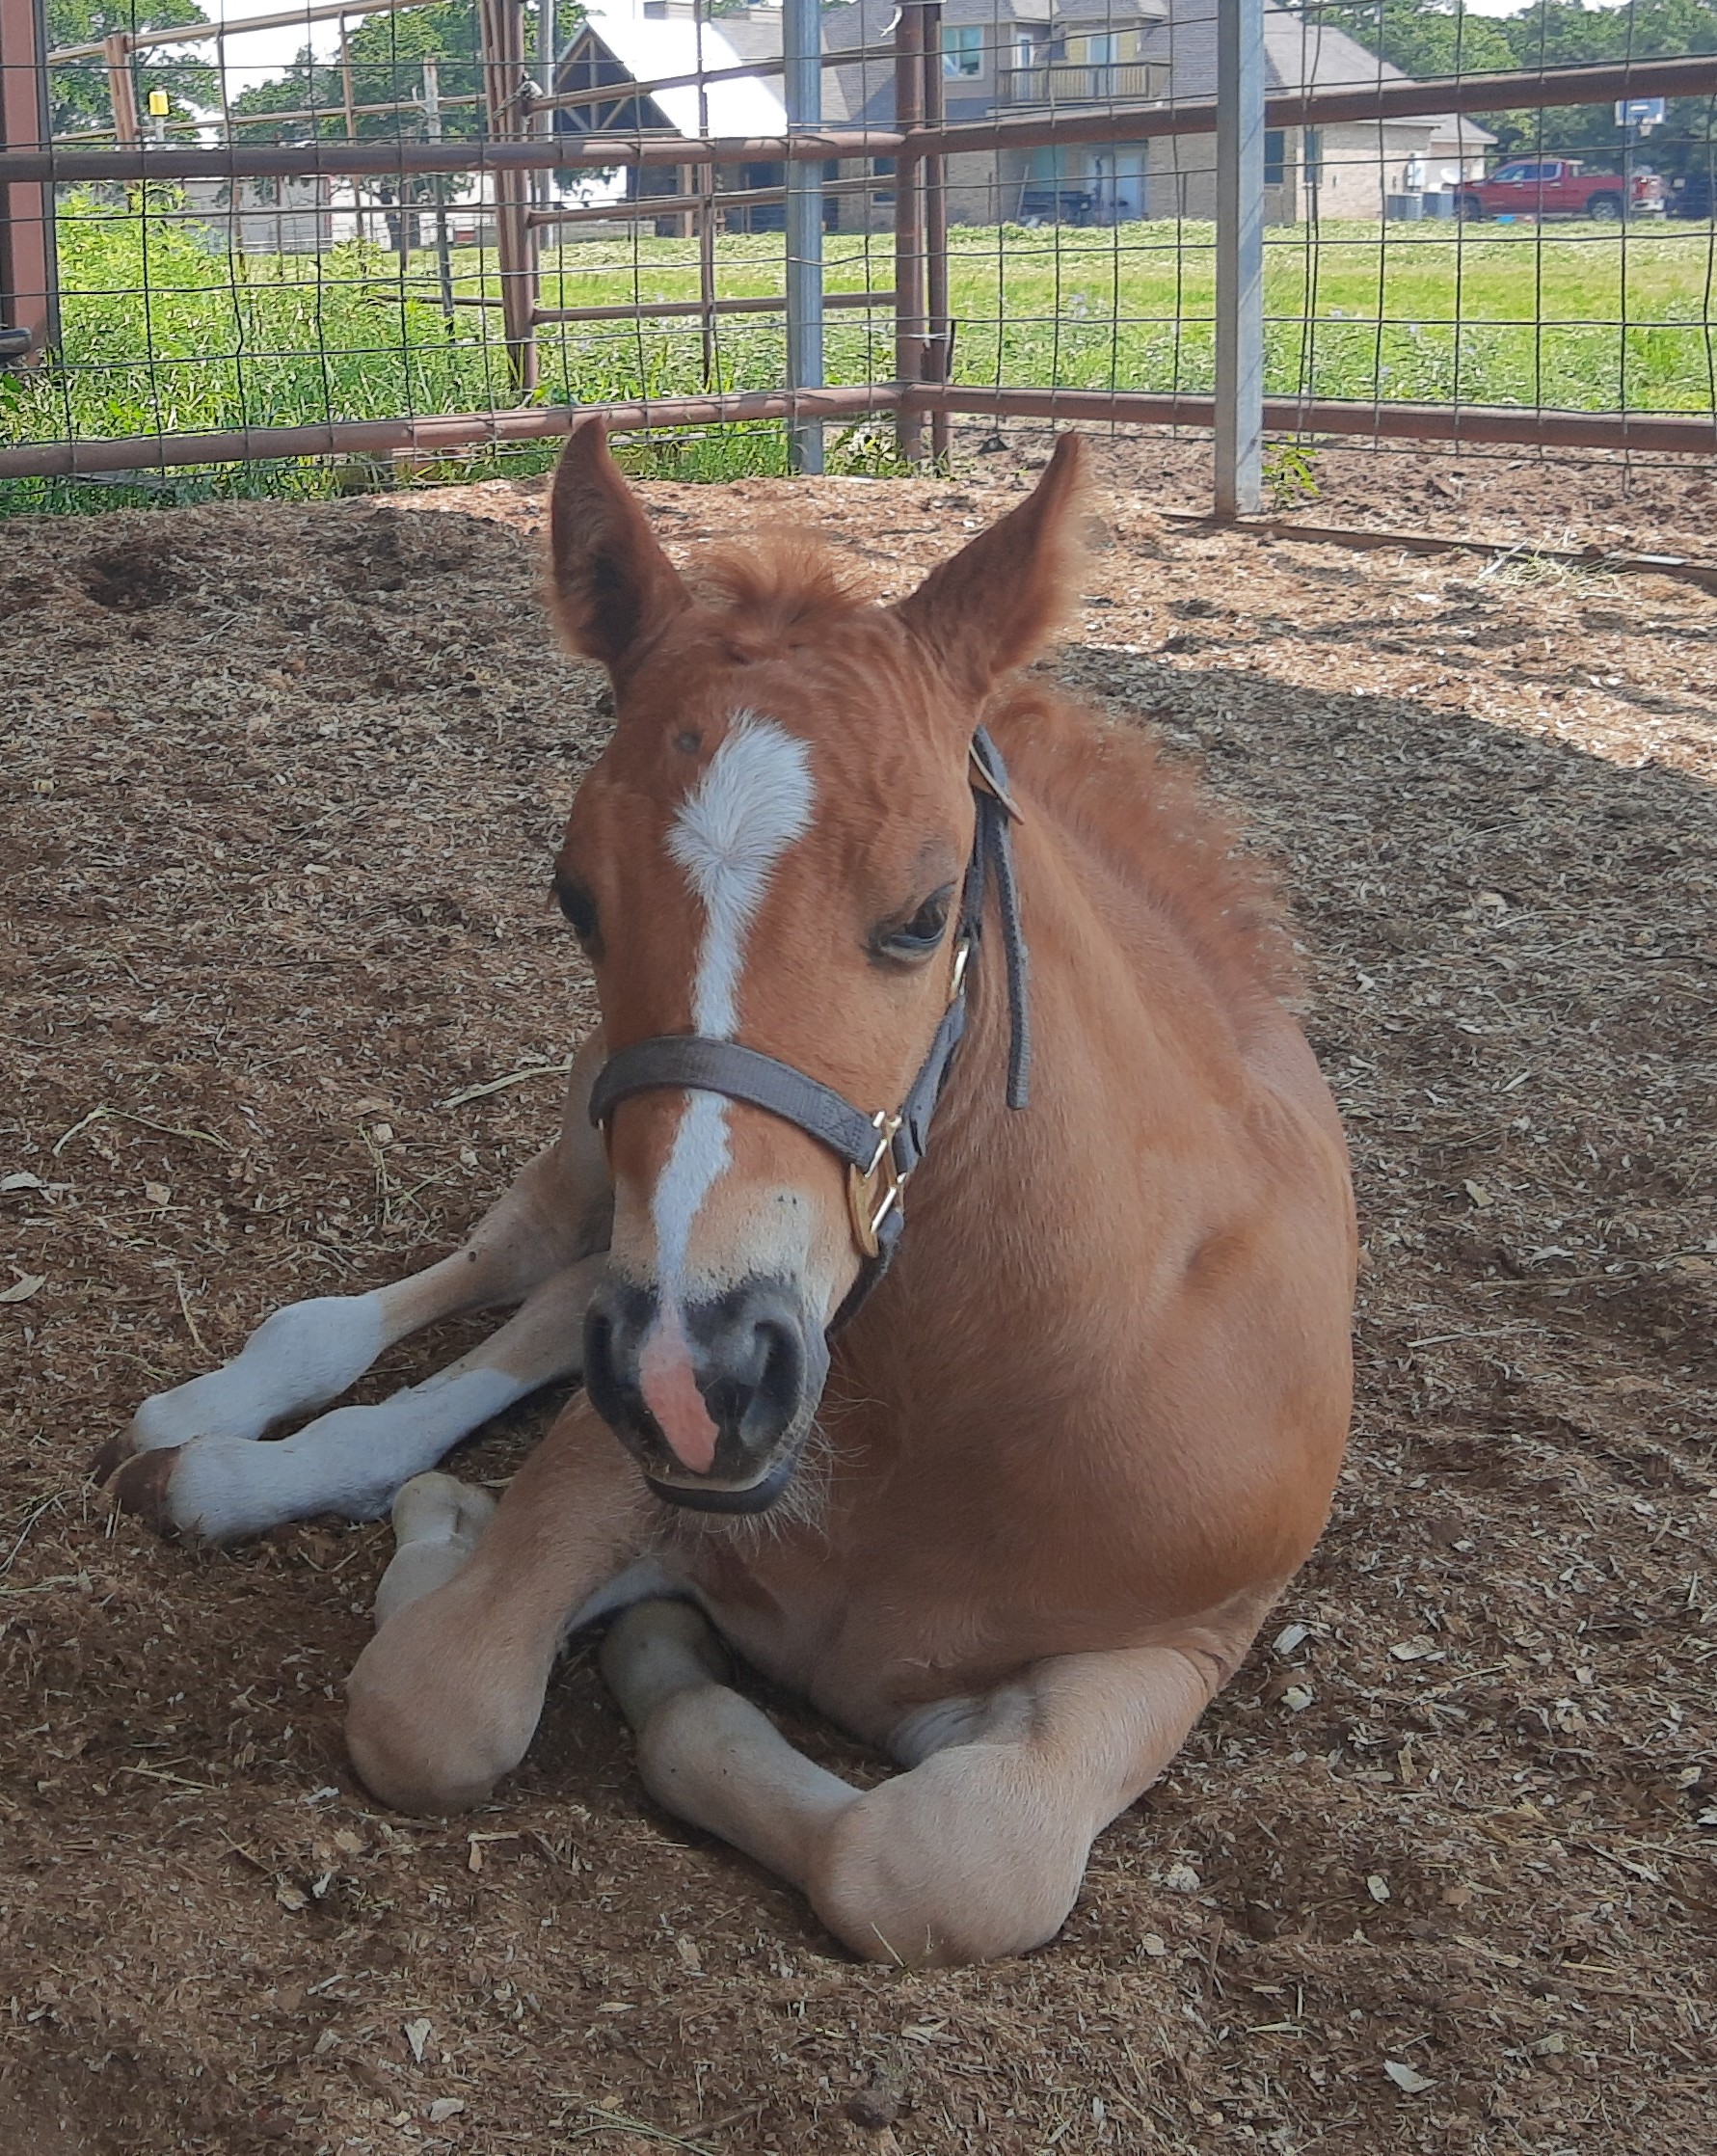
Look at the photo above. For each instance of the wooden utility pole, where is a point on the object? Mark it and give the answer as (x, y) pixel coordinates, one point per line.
(506, 89)
(121, 85)
(29, 313)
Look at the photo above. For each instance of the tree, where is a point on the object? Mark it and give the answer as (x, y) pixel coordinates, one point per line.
(1422, 37)
(1427, 37)
(78, 93)
(385, 56)
(1567, 34)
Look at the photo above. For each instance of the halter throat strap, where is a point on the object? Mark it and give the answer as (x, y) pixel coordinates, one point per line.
(880, 1150)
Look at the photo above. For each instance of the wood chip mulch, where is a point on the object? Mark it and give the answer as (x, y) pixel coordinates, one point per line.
(279, 791)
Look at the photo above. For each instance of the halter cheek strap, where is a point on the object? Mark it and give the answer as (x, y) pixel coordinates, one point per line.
(880, 1150)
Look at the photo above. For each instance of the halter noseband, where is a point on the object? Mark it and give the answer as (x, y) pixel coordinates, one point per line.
(880, 1150)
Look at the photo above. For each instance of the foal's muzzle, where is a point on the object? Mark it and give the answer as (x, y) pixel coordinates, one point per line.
(759, 1361)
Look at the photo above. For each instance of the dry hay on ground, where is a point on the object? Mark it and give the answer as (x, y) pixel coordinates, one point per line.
(1435, 1873)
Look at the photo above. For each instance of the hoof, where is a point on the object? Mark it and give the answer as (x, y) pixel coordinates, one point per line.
(140, 1485)
(434, 1507)
(111, 1457)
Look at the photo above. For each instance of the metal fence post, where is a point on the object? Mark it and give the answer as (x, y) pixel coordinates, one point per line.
(801, 25)
(1240, 258)
(910, 326)
(543, 116)
(938, 348)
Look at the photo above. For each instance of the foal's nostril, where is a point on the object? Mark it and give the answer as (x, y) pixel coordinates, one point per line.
(780, 1388)
(615, 1322)
(755, 1371)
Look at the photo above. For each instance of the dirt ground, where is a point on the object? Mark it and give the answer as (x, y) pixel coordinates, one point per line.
(1577, 499)
(281, 788)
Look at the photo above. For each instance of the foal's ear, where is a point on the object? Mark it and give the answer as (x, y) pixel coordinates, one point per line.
(613, 588)
(992, 606)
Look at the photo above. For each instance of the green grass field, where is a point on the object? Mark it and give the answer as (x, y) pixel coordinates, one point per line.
(1582, 317)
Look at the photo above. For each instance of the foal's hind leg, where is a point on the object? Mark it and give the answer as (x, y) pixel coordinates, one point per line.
(353, 1460)
(979, 1850)
(309, 1353)
(555, 1212)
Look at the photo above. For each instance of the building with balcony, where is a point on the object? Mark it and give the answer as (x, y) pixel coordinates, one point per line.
(1012, 57)
(1018, 56)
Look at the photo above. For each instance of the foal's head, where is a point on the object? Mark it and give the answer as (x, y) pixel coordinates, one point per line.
(771, 852)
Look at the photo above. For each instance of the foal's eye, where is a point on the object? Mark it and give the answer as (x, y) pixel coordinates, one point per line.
(918, 937)
(579, 909)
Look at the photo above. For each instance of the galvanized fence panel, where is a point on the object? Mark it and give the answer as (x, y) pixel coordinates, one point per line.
(417, 243)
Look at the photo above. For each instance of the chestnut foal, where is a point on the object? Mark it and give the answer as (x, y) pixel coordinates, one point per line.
(1014, 1510)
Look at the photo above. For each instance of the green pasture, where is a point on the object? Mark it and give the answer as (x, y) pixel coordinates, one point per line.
(161, 332)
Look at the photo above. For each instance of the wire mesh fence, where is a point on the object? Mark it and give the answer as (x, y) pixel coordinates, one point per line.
(419, 235)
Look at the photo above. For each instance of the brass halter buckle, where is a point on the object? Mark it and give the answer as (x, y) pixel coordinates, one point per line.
(873, 1193)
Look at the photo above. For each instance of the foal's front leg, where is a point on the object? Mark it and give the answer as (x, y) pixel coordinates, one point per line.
(447, 1696)
(980, 1849)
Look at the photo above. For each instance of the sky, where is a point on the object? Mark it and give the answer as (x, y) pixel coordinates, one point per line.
(265, 53)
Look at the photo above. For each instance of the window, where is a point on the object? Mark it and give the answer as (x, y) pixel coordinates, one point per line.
(1102, 51)
(1274, 155)
(962, 50)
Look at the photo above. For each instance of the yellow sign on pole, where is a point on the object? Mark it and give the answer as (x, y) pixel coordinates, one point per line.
(160, 105)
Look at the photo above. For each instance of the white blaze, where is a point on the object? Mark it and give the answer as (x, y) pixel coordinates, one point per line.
(749, 806)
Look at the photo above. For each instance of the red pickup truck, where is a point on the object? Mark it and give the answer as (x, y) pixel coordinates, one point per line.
(1561, 187)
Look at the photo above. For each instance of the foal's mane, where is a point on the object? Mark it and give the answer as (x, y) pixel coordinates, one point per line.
(1156, 827)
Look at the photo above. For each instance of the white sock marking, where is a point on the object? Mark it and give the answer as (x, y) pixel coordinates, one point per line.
(301, 1358)
(349, 1462)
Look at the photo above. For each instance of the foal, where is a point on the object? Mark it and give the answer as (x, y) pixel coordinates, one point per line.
(1012, 1509)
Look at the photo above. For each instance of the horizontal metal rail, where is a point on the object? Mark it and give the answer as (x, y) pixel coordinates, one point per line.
(1382, 101)
(1686, 433)
(313, 160)
(278, 119)
(639, 209)
(1363, 539)
(450, 436)
(339, 112)
(649, 311)
(620, 92)
(1531, 87)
